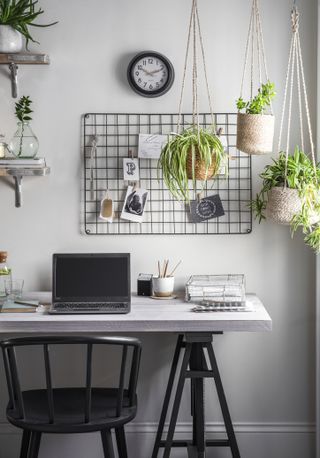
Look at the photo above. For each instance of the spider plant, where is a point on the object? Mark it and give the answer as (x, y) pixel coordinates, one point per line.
(197, 144)
(20, 15)
(301, 175)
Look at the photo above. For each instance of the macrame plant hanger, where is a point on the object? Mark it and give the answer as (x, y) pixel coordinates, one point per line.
(255, 132)
(194, 40)
(295, 66)
(284, 203)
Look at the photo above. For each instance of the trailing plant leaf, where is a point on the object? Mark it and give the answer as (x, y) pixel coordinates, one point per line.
(301, 175)
(21, 14)
(260, 102)
(203, 145)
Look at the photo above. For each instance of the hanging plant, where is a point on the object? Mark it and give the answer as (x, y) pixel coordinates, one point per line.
(255, 127)
(290, 192)
(194, 153)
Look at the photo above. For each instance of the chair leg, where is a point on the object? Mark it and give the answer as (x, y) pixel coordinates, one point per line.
(34, 445)
(121, 442)
(25, 443)
(107, 444)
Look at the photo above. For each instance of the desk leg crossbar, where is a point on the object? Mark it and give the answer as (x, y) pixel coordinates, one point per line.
(194, 367)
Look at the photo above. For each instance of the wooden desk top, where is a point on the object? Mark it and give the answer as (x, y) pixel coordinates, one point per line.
(147, 315)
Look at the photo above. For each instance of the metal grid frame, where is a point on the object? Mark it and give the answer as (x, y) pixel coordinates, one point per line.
(118, 134)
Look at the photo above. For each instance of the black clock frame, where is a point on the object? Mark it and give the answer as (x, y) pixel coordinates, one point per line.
(158, 92)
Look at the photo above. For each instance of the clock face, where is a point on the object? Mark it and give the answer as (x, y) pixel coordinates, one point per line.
(150, 74)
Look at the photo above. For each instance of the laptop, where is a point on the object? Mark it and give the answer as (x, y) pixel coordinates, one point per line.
(91, 283)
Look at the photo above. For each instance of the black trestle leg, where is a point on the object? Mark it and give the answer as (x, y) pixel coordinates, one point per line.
(177, 400)
(223, 403)
(167, 396)
(195, 345)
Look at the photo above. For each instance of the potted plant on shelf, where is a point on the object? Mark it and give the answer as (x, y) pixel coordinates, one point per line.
(255, 128)
(24, 143)
(16, 16)
(195, 154)
(290, 195)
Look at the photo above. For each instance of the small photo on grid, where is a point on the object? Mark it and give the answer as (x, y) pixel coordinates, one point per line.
(134, 204)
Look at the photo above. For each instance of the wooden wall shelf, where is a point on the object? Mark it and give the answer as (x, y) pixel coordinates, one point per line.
(18, 173)
(13, 60)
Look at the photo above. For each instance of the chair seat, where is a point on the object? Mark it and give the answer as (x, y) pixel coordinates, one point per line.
(69, 408)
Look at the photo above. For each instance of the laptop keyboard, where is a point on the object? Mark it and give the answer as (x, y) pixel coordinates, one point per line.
(92, 307)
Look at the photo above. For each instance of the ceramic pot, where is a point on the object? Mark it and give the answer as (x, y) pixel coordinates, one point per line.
(11, 41)
(255, 133)
(163, 287)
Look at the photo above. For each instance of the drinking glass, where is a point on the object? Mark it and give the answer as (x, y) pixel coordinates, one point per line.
(13, 289)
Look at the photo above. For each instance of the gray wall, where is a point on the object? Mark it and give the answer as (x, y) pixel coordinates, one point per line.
(269, 379)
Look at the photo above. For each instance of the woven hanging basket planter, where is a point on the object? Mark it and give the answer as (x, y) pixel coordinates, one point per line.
(201, 170)
(255, 133)
(283, 204)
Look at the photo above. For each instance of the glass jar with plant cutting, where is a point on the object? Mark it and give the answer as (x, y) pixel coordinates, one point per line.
(24, 143)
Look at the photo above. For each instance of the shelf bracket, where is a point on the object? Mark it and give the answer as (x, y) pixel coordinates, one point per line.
(18, 190)
(13, 67)
(13, 60)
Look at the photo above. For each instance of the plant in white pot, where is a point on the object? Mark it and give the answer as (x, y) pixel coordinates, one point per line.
(255, 127)
(194, 153)
(255, 122)
(16, 16)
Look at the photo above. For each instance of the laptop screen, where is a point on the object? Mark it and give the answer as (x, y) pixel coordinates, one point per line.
(91, 277)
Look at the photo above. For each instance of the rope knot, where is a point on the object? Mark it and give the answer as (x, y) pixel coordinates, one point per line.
(295, 17)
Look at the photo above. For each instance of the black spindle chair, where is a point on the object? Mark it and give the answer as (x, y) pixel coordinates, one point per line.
(72, 410)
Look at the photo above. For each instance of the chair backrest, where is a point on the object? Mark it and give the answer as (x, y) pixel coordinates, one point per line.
(129, 365)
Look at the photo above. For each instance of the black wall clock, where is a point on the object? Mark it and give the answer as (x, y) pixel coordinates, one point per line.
(150, 74)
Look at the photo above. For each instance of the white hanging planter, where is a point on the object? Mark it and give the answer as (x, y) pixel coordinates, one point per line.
(11, 41)
(255, 133)
(283, 204)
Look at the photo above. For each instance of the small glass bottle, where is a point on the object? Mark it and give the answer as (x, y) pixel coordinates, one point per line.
(3, 148)
(5, 274)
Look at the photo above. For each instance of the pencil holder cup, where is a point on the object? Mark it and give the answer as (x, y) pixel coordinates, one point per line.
(163, 286)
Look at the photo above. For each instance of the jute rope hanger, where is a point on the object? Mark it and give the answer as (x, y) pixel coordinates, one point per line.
(255, 40)
(295, 65)
(195, 35)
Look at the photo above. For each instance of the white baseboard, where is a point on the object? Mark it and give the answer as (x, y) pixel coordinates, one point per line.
(211, 428)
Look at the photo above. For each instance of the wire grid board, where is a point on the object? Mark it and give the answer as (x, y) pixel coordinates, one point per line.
(117, 135)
